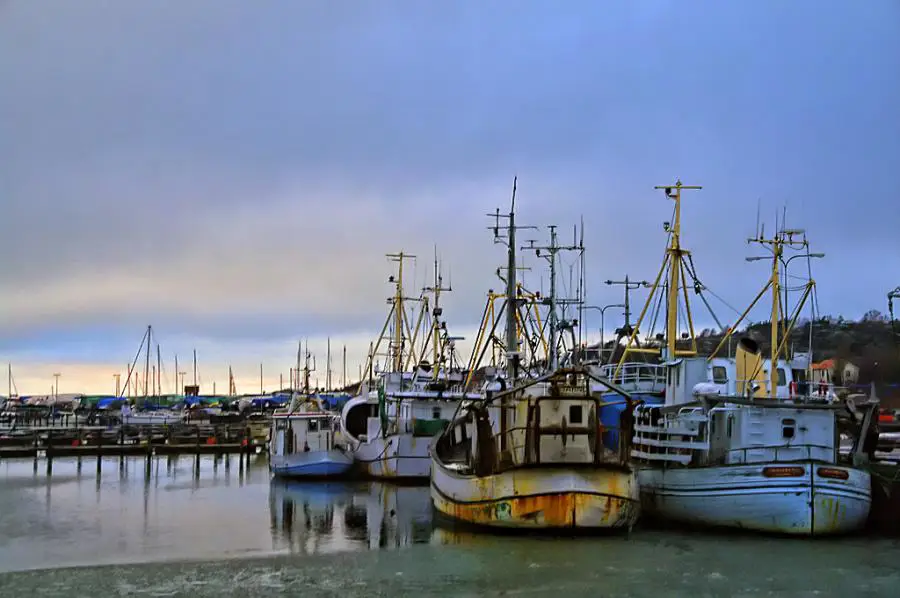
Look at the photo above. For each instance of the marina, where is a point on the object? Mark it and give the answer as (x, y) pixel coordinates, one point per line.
(538, 429)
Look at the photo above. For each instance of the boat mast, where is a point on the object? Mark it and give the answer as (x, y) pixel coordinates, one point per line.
(195, 369)
(158, 371)
(549, 253)
(344, 369)
(436, 322)
(399, 310)
(147, 363)
(776, 246)
(328, 367)
(177, 392)
(674, 260)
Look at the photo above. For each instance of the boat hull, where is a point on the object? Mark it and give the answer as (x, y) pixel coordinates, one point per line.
(539, 498)
(740, 496)
(314, 464)
(398, 456)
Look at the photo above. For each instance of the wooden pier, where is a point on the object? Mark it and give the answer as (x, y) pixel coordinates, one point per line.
(100, 441)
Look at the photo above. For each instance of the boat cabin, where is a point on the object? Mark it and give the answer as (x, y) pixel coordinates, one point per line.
(724, 433)
(549, 422)
(302, 432)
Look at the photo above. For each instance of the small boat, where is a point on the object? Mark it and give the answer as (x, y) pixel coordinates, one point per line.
(302, 441)
(302, 445)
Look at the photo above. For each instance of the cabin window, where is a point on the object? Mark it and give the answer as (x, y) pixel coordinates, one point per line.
(435, 413)
(575, 414)
(280, 424)
(677, 375)
(720, 375)
(788, 427)
(782, 380)
(729, 425)
(313, 425)
(325, 424)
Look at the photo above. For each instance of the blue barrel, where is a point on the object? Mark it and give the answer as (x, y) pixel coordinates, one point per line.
(610, 414)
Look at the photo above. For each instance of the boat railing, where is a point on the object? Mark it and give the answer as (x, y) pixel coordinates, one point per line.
(647, 377)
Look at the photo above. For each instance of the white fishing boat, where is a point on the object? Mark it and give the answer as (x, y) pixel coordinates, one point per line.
(533, 456)
(735, 445)
(391, 424)
(304, 439)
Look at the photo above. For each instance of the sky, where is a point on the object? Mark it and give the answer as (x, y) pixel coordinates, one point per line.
(233, 173)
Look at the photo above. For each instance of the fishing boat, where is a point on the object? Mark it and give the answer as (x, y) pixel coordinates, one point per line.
(303, 439)
(735, 444)
(391, 424)
(531, 454)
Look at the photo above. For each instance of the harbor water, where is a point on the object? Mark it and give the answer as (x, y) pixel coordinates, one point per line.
(222, 527)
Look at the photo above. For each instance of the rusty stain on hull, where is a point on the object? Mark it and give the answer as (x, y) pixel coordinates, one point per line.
(561, 510)
(609, 501)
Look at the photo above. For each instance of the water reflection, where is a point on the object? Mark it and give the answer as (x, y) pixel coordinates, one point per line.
(97, 511)
(308, 517)
(92, 511)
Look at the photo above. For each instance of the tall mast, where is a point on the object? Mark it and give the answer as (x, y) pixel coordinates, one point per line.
(674, 260)
(344, 369)
(436, 322)
(147, 363)
(550, 253)
(158, 371)
(177, 391)
(399, 310)
(195, 367)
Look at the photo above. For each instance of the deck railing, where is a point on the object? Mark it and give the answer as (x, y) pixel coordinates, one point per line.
(636, 375)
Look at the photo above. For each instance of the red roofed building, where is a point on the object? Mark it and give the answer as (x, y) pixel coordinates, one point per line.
(825, 371)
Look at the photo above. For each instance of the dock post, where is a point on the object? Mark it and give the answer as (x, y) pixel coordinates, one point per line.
(49, 449)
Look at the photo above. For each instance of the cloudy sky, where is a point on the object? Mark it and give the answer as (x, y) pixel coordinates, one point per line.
(234, 172)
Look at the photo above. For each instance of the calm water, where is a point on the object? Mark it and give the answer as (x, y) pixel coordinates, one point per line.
(217, 529)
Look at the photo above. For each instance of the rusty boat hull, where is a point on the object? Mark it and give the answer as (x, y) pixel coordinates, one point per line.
(544, 497)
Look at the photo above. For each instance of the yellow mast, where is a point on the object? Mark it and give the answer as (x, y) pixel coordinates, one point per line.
(674, 257)
(780, 331)
(399, 311)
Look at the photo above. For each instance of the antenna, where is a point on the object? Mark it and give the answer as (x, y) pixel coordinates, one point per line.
(550, 253)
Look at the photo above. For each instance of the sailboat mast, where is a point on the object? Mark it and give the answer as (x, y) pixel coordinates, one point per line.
(147, 363)
(344, 369)
(158, 371)
(177, 392)
(328, 366)
(195, 367)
